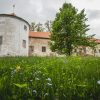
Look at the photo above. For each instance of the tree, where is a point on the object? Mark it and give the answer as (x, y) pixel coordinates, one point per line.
(48, 25)
(33, 26)
(69, 30)
(39, 27)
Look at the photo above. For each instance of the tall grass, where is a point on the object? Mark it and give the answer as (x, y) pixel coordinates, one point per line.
(49, 78)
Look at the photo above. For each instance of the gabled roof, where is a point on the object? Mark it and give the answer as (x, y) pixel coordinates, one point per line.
(39, 34)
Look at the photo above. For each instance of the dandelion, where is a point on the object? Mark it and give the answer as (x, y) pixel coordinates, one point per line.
(98, 81)
(18, 68)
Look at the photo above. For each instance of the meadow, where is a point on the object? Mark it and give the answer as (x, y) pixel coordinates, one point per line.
(49, 78)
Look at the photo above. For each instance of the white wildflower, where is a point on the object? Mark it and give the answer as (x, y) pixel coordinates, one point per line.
(37, 79)
(34, 91)
(31, 80)
(46, 94)
(98, 81)
(48, 79)
(49, 84)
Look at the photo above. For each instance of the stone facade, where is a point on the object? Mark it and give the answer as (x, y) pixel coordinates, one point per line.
(87, 51)
(97, 51)
(40, 40)
(39, 47)
(14, 33)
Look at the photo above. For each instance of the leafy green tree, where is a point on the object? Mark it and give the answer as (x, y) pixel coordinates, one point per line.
(69, 30)
(48, 25)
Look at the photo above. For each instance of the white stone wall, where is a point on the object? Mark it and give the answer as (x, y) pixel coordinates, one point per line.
(13, 33)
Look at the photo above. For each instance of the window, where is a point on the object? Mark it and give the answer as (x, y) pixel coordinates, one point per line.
(31, 48)
(24, 44)
(0, 40)
(84, 49)
(25, 27)
(99, 50)
(95, 50)
(43, 49)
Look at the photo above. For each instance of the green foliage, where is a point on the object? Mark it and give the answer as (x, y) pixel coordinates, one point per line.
(37, 27)
(33, 26)
(48, 25)
(21, 85)
(69, 30)
(49, 78)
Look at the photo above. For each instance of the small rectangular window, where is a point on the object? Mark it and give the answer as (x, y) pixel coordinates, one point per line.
(25, 27)
(95, 50)
(0, 40)
(43, 49)
(84, 49)
(24, 44)
(99, 50)
(31, 48)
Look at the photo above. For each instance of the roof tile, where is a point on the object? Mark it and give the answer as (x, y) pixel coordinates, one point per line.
(39, 34)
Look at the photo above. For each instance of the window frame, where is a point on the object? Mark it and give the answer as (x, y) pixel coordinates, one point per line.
(24, 43)
(1, 40)
(43, 48)
(32, 48)
(25, 27)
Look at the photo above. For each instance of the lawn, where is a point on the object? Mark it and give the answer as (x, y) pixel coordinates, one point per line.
(50, 78)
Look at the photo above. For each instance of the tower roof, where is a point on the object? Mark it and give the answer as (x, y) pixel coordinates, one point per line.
(13, 15)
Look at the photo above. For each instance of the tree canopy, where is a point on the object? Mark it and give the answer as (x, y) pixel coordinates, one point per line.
(69, 30)
(37, 27)
(48, 25)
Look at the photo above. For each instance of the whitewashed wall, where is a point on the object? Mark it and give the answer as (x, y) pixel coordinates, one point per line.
(13, 33)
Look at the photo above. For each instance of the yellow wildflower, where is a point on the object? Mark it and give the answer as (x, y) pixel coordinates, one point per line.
(18, 68)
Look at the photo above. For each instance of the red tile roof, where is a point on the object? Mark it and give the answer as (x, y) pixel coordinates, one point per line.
(97, 40)
(39, 34)
(47, 35)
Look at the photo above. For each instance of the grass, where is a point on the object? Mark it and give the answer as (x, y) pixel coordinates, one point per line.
(49, 78)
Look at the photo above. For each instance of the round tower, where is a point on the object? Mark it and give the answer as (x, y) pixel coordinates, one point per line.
(14, 33)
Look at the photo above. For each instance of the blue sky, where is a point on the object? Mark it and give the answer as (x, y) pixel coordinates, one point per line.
(42, 10)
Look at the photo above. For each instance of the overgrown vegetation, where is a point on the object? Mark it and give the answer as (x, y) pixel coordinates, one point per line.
(49, 78)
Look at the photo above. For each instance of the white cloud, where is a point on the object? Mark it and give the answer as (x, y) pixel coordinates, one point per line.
(42, 10)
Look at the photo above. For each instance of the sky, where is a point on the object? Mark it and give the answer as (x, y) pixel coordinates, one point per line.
(43, 10)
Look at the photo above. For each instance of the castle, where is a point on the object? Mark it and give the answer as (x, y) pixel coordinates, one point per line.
(16, 39)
